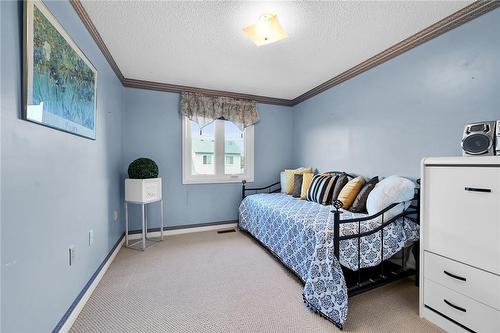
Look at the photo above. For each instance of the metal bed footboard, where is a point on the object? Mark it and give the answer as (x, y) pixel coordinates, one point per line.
(411, 213)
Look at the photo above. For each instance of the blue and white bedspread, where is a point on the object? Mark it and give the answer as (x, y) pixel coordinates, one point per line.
(300, 233)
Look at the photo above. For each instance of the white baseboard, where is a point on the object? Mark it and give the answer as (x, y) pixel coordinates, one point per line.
(78, 308)
(185, 230)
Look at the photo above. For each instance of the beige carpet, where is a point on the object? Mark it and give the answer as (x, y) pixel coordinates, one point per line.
(209, 282)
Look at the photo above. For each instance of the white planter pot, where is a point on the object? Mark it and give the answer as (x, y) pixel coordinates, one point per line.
(143, 190)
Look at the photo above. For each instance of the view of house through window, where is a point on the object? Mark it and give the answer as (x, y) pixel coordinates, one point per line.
(234, 149)
(202, 149)
(217, 149)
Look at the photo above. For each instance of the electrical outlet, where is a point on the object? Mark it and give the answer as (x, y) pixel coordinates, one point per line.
(115, 216)
(91, 237)
(71, 253)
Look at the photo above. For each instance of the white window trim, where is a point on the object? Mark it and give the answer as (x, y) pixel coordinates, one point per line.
(219, 177)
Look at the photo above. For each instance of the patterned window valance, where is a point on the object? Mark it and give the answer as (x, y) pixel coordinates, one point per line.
(205, 109)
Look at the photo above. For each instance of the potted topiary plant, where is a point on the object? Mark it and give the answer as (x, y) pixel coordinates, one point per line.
(143, 184)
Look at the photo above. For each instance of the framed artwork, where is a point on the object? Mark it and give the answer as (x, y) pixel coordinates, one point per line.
(59, 80)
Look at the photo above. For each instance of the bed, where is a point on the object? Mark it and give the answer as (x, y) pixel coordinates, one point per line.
(328, 247)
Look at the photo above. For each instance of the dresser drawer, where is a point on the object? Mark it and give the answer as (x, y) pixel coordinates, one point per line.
(462, 214)
(462, 309)
(475, 283)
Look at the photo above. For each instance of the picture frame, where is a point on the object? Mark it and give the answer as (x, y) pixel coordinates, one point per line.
(60, 82)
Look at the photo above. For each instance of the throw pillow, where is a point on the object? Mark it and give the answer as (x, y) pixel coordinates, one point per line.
(289, 173)
(306, 183)
(339, 185)
(350, 191)
(289, 180)
(321, 189)
(390, 190)
(359, 204)
(283, 182)
(297, 185)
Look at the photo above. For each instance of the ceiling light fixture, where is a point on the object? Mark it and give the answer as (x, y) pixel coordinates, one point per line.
(267, 30)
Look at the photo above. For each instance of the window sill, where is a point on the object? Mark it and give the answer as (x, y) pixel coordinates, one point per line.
(216, 181)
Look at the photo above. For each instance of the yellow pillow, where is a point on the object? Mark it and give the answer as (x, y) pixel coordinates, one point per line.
(303, 170)
(306, 183)
(350, 191)
(289, 176)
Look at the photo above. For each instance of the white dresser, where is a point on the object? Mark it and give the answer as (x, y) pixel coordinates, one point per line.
(460, 243)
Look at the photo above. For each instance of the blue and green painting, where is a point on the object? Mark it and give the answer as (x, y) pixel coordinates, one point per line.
(63, 84)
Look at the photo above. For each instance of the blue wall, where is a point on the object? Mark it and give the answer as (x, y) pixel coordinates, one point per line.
(153, 128)
(56, 187)
(387, 119)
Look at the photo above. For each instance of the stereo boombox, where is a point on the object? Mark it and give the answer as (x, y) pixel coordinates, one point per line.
(481, 138)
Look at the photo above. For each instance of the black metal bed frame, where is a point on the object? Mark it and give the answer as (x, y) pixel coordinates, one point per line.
(365, 279)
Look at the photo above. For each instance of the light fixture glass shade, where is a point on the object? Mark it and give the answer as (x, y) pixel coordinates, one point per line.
(267, 30)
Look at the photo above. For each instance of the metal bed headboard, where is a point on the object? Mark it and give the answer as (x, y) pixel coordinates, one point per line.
(276, 187)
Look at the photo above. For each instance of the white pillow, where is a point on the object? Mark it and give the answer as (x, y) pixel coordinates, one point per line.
(388, 191)
(283, 182)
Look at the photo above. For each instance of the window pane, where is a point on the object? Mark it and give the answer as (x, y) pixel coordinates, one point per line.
(202, 149)
(234, 148)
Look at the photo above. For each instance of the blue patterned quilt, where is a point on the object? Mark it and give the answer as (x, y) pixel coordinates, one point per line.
(300, 233)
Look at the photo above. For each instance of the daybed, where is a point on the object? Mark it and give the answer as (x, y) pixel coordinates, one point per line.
(330, 249)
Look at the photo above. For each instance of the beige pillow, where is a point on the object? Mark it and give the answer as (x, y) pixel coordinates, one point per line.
(306, 183)
(350, 191)
(289, 176)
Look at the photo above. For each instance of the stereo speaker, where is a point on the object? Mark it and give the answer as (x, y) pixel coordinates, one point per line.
(479, 139)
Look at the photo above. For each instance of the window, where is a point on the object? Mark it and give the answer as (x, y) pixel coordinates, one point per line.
(207, 159)
(218, 153)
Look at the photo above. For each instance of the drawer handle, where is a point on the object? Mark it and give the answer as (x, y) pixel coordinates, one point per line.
(455, 276)
(455, 306)
(476, 189)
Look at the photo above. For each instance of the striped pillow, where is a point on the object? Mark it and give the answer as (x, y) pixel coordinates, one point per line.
(321, 189)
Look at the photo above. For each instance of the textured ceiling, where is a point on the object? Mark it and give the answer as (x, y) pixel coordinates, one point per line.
(201, 44)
